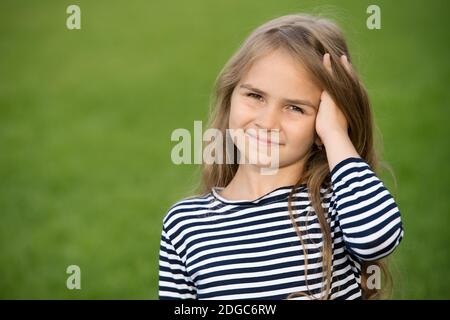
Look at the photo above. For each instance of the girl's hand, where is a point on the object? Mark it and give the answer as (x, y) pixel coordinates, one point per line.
(330, 121)
(331, 125)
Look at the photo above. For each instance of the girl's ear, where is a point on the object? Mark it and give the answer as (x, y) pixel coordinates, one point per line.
(318, 142)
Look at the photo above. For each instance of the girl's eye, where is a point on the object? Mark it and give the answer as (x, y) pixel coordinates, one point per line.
(255, 96)
(296, 109)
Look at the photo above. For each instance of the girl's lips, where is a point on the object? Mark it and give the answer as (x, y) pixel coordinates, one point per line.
(262, 140)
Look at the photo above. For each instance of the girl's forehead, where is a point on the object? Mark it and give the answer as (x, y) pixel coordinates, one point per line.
(278, 71)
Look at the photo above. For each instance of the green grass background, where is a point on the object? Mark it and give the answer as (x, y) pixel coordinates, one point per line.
(86, 118)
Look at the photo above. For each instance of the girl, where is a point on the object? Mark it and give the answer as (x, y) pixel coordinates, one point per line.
(318, 227)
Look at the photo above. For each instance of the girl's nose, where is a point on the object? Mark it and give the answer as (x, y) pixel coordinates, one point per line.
(268, 118)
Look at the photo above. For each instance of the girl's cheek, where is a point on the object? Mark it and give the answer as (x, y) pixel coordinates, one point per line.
(250, 103)
(237, 117)
(302, 131)
(241, 113)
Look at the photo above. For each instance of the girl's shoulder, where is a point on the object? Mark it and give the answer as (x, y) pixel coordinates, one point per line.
(188, 205)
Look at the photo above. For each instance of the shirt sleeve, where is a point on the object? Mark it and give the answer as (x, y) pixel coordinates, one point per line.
(174, 280)
(366, 212)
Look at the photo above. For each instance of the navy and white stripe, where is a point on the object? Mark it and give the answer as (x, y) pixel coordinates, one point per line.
(213, 248)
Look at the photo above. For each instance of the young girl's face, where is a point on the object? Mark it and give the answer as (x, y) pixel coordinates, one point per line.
(277, 94)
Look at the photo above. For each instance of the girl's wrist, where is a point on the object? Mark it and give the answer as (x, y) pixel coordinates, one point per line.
(333, 135)
(339, 147)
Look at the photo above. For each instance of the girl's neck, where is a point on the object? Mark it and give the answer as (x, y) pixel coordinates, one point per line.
(248, 183)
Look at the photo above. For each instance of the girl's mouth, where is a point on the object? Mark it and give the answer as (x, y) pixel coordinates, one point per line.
(262, 139)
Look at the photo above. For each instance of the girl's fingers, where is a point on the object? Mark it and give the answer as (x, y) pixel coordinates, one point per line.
(346, 64)
(327, 62)
(344, 61)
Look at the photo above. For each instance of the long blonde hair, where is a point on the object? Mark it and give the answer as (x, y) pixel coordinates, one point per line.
(307, 38)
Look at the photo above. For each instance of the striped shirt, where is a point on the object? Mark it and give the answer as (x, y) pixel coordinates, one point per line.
(214, 248)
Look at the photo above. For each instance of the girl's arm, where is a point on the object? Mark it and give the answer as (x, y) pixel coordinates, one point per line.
(338, 147)
(174, 281)
(366, 212)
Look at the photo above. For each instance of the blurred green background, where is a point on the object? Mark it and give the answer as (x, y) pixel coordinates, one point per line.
(86, 117)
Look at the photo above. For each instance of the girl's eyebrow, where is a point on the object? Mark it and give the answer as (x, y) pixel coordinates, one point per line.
(290, 101)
